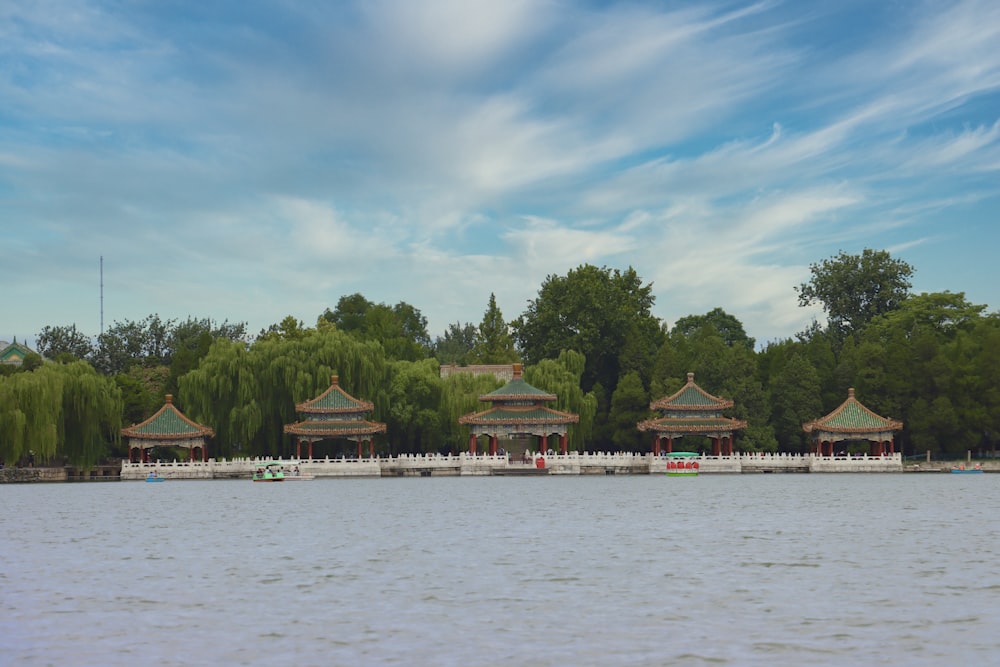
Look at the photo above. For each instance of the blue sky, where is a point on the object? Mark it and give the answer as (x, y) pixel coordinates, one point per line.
(248, 161)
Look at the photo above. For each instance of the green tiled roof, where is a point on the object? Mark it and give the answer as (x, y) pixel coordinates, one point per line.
(691, 397)
(512, 415)
(168, 423)
(13, 353)
(852, 417)
(334, 400)
(517, 390)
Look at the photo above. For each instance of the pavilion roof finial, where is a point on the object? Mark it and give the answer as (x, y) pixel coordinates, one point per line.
(690, 377)
(850, 393)
(517, 371)
(170, 398)
(334, 379)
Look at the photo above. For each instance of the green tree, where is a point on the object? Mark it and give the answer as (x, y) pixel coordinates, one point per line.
(59, 411)
(66, 341)
(493, 342)
(592, 311)
(629, 406)
(456, 344)
(248, 394)
(854, 289)
(401, 329)
(414, 421)
(795, 399)
(728, 327)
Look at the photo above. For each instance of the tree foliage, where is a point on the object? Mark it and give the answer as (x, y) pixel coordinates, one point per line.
(455, 346)
(854, 289)
(59, 411)
(493, 341)
(401, 329)
(727, 326)
(55, 342)
(592, 311)
(248, 394)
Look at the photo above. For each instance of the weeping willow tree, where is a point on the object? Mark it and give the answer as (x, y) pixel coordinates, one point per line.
(248, 394)
(30, 406)
(59, 411)
(91, 413)
(562, 377)
(459, 396)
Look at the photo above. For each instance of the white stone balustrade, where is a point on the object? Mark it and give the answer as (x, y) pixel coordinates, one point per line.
(573, 463)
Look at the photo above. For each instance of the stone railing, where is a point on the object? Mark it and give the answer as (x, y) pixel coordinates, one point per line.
(573, 463)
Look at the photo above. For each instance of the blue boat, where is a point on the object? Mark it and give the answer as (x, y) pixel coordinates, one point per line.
(962, 470)
(153, 477)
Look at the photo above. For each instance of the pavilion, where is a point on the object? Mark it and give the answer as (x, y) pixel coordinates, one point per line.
(692, 411)
(169, 427)
(852, 421)
(518, 409)
(331, 415)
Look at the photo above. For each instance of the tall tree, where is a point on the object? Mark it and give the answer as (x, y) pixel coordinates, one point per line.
(854, 289)
(629, 406)
(401, 329)
(456, 344)
(593, 311)
(493, 343)
(795, 399)
(728, 327)
(63, 343)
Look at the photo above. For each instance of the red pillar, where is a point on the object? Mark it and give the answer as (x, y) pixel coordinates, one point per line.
(204, 452)
(493, 445)
(472, 443)
(670, 444)
(564, 443)
(298, 448)
(310, 450)
(656, 445)
(542, 442)
(359, 449)
(371, 448)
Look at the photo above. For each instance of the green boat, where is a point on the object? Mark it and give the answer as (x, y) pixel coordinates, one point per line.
(271, 472)
(681, 464)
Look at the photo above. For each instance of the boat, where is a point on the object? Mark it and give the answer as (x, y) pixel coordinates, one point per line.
(271, 472)
(153, 477)
(962, 470)
(680, 464)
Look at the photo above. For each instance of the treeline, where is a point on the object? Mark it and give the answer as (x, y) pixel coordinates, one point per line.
(931, 360)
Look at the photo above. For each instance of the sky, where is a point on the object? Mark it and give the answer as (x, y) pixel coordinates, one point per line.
(246, 161)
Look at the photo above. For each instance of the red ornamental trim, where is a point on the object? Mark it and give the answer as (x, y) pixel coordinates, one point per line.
(484, 421)
(302, 408)
(536, 398)
(680, 427)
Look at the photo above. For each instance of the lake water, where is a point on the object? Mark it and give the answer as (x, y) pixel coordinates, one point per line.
(626, 570)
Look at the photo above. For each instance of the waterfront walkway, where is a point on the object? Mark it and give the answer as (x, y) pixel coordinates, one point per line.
(465, 464)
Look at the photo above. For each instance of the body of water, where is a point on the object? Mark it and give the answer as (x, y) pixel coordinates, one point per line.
(628, 570)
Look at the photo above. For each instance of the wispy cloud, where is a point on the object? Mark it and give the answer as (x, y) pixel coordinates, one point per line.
(254, 161)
